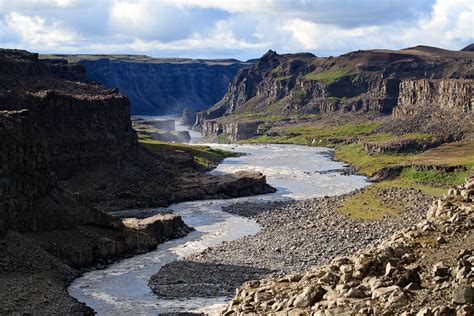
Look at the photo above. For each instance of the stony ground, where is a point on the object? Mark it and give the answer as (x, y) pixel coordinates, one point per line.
(423, 269)
(34, 281)
(295, 236)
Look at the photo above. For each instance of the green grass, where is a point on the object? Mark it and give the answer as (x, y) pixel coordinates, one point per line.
(205, 156)
(386, 137)
(355, 155)
(280, 78)
(337, 131)
(327, 76)
(452, 154)
(368, 205)
(304, 135)
(298, 93)
(434, 177)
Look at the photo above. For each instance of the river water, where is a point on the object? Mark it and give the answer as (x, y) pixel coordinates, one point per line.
(297, 172)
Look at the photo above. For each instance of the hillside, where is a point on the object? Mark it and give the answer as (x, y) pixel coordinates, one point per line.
(161, 85)
(360, 81)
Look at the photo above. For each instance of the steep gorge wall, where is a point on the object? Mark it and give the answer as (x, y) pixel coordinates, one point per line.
(80, 130)
(165, 87)
(452, 95)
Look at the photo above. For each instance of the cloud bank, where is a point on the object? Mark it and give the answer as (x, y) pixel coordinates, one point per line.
(240, 29)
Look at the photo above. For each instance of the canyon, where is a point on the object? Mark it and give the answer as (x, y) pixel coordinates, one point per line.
(69, 155)
(83, 185)
(157, 86)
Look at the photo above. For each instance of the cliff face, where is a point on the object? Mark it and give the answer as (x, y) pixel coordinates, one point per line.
(450, 94)
(363, 81)
(160, 86)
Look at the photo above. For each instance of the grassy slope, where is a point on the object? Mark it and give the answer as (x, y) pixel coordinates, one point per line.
(328, 76)
(204, 156)
(308, 135)
(367, 204)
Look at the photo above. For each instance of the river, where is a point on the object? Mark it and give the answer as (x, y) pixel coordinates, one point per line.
(297, 172)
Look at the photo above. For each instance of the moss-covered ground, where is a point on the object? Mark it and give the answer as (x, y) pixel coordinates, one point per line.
(204, 156)
(368, 204)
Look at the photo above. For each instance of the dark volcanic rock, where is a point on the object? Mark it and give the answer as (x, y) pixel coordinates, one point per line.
(159, 86)
(189, 117)
(69, 152)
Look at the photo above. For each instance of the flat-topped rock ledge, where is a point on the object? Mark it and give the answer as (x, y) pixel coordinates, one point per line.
(163, 227)
(425, 269)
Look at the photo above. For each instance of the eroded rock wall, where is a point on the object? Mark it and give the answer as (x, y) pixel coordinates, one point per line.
(159, 86)
(452, 95)
(233, 130)
(374, 82)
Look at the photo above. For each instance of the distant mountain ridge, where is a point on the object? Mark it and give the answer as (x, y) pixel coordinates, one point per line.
(359, 81)
(161, 85)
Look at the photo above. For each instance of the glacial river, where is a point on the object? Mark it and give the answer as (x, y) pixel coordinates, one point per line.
(297, 172)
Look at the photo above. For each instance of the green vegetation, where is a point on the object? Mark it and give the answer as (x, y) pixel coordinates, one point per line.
(355, 155)
(369, 205)
(205, 156)
(280, 78)
(307, 135)
(452, 154)
(298, 93)
(385, 137)
(434, 177)
(328, 76)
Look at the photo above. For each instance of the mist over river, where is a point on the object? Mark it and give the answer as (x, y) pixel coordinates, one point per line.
(298, 172)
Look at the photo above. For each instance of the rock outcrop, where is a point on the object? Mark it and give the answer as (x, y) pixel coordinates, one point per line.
(234, 130)
(453, 95)
(159, 85)
(418, 271)
(68, 153)
(188, 117)
(376, 81)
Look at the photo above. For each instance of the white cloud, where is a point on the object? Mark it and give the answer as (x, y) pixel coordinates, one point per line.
(37, 31)
(238, 28)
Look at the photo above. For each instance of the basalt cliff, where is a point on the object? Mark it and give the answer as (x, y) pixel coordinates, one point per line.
(162, 85)
(69, 154)
(417, 81)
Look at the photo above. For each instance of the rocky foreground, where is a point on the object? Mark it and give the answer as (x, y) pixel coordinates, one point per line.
(424, 269)
(295, 237)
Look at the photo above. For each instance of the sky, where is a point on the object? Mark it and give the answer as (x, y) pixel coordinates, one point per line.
(241, 29)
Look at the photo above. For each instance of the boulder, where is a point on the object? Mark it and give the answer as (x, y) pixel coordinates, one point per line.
(309, 296)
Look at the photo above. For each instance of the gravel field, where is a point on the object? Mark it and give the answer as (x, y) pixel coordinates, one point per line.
(296, 235)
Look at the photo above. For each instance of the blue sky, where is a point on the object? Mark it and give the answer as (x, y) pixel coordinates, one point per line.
(240, 29)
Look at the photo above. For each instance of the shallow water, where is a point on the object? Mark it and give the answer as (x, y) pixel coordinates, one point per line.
(122, 288)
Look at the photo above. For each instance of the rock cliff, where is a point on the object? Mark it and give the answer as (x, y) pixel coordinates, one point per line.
(160, 86)
(376, 81)
(68, 153)
(453, 95)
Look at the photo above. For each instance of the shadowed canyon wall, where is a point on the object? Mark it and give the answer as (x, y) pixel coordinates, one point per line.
(161, 86)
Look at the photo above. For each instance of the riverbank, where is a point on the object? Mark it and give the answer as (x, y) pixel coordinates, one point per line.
(295, 236)
(423, 269)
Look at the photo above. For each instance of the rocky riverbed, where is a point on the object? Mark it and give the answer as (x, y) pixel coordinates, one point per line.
(296, 235)
(423, 269)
